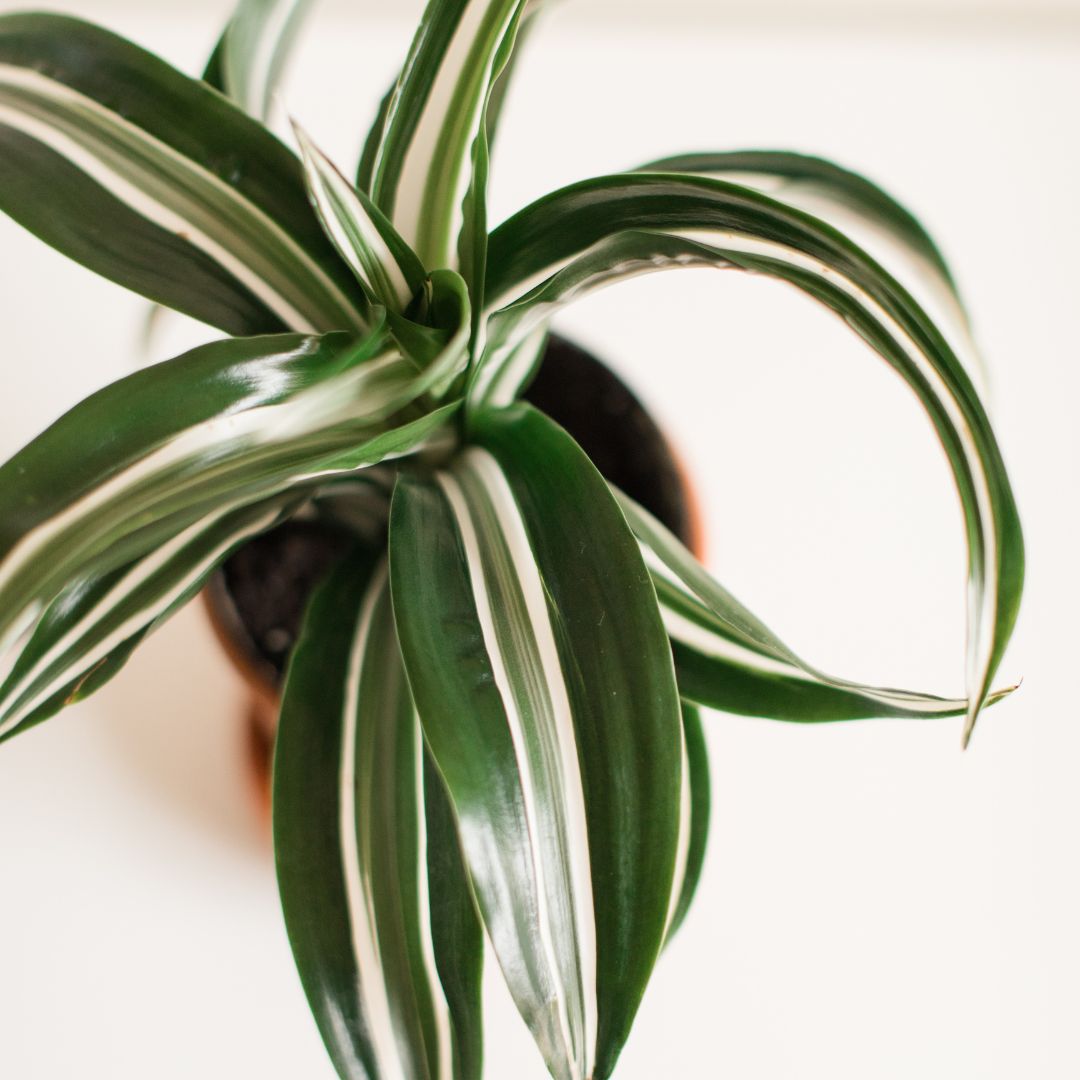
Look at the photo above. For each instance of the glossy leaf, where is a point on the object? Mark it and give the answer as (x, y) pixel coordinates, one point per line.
(130, 469)
(422, 169)
(87, 634)
(861, 210)
(157, 182)
(695, 807)
(543, 679)
(386, 267)
(605, 230)
(375, 898)
(728, 659)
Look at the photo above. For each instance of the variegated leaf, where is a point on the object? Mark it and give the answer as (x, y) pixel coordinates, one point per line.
(159, 183)
(694, 808)
(386, 267)
(728, 659)
(860, 209)
(422, 169)
(543, 679)
(138, 466)
(251, 56)
(605, 230)
(87, 634)
(376, 901)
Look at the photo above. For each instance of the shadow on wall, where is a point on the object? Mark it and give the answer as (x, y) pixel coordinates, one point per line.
(175, 718)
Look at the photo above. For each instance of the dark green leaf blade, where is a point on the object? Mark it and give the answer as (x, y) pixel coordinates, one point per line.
(543, 679)
(694, 819)
(727, 659)
(603, 230)
(136, 468)
(160, 169)
(373, 912)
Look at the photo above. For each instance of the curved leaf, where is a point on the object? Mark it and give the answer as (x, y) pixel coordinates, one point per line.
(250, 58)
(386, 267)
(222, 427)
(86, 635)
(422, 169)
(157, 182)
(543, 679)
(726, 658)
(860, 209)
(376, 903)
(693, 819)
(604, 230)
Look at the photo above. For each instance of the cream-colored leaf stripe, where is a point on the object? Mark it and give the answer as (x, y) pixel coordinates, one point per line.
(350, 227)
(519, 638)
(700, 614)
(165, 576)
(178, 195)
(429, 190)
(524, 308)
(357, 833)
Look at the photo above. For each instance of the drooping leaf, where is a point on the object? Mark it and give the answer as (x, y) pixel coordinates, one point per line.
(159, 183)
(88, 633)
(383, 263)
(860, 209)
(604, 230)
(375, 898)
(422, 168)
(543, 679)
(250, 58)
(695, 806)
(728, 659)
(127, 471)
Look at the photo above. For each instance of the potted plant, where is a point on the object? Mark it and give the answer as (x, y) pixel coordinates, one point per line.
(488, 725)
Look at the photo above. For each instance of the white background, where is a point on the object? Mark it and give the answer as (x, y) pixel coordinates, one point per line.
(875, 904)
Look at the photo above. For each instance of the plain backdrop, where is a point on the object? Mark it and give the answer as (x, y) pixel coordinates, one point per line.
(876, 905)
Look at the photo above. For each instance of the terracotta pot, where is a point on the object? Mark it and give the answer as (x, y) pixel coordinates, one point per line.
(257, 599)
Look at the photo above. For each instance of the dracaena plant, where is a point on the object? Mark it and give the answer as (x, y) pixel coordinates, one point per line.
(489, 726)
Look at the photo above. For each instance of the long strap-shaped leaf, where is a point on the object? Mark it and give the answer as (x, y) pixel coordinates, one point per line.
(225, 426)
(422, 168)
(156, 181)
(376, 901)
(695, 805)
(87, 634)
(857, 207)
(251, 55)
(607, 229)
(543, 678)
(726, 658)
(386, 267)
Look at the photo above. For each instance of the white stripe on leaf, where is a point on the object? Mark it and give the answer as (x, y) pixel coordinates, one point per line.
(350, 222)
(520, 642)
(581, 274)
(141, 171)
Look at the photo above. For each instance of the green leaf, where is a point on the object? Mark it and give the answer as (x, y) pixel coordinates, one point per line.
(604, 230)
(386, 267)
(87, 634)
(127, 471)
(423, 166)
(543, 678)
(693, 818)
(728, 659)
(376, 903)
(251, 56)
(159, 183)
(857, 207)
